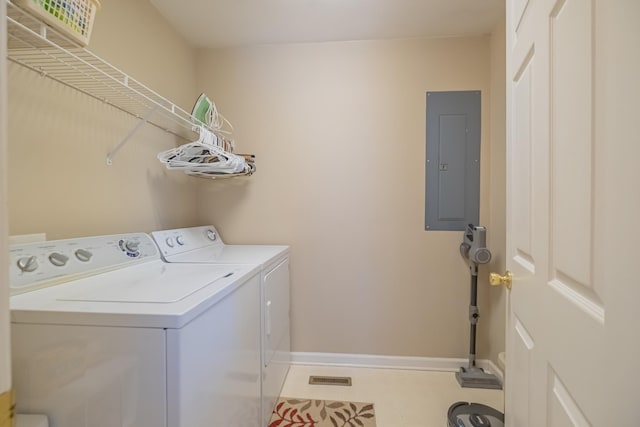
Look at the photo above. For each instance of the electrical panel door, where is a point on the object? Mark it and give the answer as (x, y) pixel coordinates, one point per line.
(453, 160)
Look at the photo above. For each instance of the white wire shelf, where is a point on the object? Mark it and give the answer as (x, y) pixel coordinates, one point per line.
(34, 45)
(38, 47)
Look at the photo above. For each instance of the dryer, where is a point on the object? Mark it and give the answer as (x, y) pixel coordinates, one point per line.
(203, 245)
(106, 334)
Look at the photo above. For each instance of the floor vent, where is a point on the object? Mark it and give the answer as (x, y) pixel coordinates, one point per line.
(323, 380)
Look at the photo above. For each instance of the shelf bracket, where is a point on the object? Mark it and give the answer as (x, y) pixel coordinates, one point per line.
(136, 128)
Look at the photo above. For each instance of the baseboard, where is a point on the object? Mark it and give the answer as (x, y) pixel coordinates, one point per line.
(502, 360)
(491, 367)
(390, 362)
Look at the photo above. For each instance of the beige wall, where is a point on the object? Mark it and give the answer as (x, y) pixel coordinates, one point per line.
(339, 134)
(339, 131)
(59, 182)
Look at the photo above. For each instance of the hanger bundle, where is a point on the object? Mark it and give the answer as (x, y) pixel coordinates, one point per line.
(210, 156)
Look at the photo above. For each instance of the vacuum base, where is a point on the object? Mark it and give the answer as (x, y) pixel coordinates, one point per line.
(477, 378)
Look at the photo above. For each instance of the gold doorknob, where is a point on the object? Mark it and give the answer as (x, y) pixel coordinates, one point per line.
(496, 280)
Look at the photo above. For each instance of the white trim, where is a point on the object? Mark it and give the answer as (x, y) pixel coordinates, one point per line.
(5, 325)
(491, 367)
(502, 360)
(390, 362)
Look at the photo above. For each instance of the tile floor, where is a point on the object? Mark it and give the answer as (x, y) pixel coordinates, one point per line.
(402, 398)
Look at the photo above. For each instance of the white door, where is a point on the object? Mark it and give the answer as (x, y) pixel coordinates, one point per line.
(573, 212)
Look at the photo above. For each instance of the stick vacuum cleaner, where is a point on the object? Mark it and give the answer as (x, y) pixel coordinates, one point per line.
(474, 252)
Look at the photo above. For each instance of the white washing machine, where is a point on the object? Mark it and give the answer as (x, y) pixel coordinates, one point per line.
(106, 334)
(204, 245)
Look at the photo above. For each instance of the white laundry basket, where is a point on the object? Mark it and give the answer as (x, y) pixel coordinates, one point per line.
(73, 18)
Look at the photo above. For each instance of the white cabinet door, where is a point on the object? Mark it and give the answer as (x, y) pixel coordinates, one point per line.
(573, 200)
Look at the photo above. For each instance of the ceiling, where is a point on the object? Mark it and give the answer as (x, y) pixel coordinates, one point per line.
(225, 23)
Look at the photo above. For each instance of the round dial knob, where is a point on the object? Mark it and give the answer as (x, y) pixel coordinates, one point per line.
(211, 235)
(83, 255)
(58, 259)
(180, 240)
(28, 264)
(169, 241)
(130, 247)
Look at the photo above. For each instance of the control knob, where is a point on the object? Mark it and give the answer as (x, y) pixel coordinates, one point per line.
(211, 235)
(58, 259)
(169, 242)
(83, 255)
(180, 240)
(130, 247)
(28, 264)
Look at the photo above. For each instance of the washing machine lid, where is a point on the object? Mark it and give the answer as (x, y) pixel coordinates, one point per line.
(155, 285)
(261, 255)
(154, 294)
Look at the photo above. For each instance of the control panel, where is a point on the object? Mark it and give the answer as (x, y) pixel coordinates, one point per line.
(36, 265)
(173, 242)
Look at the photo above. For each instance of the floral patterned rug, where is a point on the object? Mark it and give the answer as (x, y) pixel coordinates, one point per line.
(291, 412)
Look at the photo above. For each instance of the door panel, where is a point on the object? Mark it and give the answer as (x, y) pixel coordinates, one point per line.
(572, 205)
(519, 8)
(520, 357)
(452, 167)
(563, 410)
(521, 151)
(571, 140)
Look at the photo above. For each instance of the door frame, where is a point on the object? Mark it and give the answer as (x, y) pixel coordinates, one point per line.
(5, 352)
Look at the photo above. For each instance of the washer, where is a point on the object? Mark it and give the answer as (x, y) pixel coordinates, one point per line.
(106, 334)
(204, 245)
